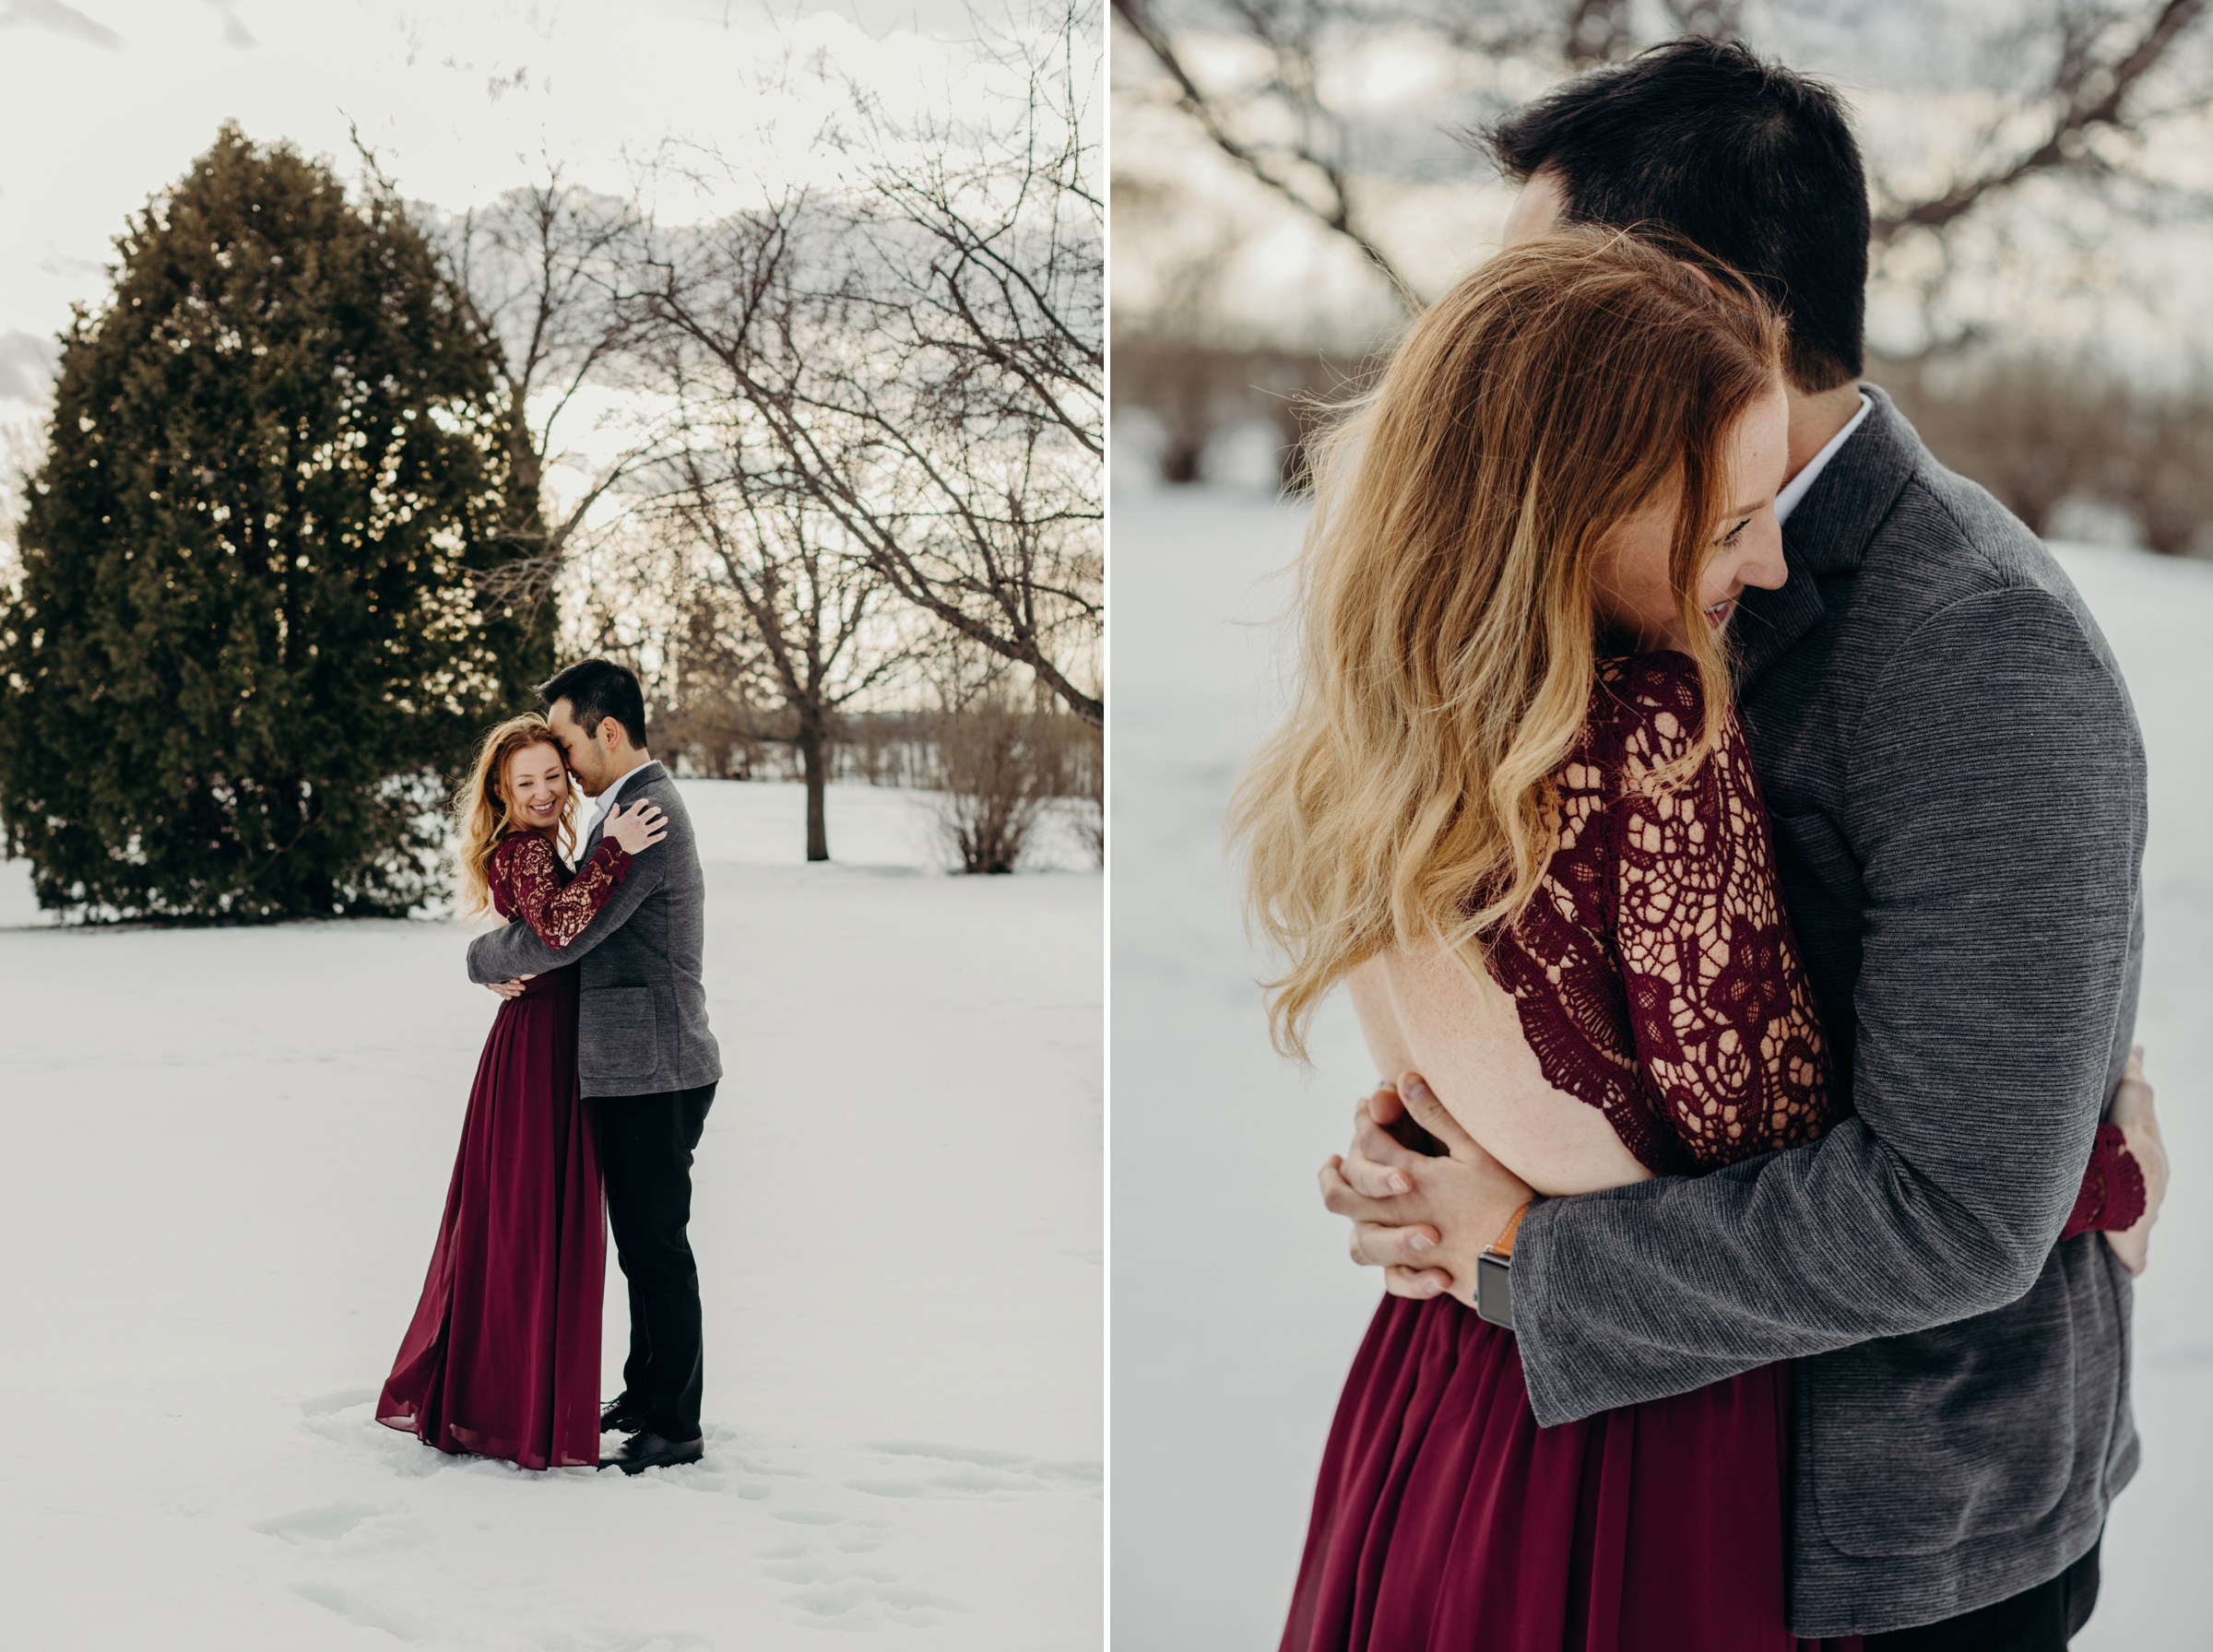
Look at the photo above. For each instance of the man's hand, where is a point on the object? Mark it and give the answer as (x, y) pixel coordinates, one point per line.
(1423, 1219)
(509, 989)
(2140, 1127)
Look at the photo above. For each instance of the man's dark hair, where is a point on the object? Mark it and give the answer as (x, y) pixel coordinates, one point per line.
(1753, 163)
(595, 691)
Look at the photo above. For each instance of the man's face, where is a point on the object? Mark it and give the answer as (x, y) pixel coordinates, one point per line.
(1537, 209)
(587, 758)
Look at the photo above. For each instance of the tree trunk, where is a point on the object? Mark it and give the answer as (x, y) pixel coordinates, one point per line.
(811, 764)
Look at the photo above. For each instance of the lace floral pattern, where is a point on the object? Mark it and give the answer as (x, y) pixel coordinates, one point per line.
(1655, 973)
(529, 881)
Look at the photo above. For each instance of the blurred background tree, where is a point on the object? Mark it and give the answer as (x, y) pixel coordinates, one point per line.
(250, 645)
(1292, 175)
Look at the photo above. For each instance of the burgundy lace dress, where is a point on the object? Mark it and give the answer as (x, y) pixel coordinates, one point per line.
(502, 1357)
(1656, 978)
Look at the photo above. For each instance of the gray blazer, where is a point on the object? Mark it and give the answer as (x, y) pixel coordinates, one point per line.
(1957, 783)
(642, 1017)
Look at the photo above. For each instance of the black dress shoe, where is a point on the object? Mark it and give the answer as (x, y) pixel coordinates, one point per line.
(643, 1451)
(617, 1418)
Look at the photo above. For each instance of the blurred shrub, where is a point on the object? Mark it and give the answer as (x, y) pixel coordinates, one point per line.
(997, 766)
(2049, 432)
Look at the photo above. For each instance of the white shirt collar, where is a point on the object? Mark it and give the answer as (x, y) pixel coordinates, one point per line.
(606, 800)
(1796, 488)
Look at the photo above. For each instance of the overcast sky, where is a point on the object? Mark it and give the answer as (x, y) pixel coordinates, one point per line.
(107, 101)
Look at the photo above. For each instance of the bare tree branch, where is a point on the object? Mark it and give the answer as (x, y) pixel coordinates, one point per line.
(812, 613)
(2090, 92)
(1295, 80)
(532, 274)
(917, 365)
(2099, 74)
(967, 500)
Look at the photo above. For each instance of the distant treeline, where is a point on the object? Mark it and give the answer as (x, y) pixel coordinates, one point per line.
(719, 741)
(2060, 440)
(996, 765)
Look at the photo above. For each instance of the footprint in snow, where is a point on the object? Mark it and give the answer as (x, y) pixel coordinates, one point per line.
(623, 1640)
(855, 1600)
(359, 1609)
(323, 1525)
(970, 1471)
(345, 1399)
(347, 1528)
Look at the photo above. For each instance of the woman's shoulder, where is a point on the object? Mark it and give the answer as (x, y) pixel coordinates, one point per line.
(522, 850)
(1650, 707)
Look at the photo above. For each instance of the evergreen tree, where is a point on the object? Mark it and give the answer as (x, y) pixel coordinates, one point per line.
(249, 648)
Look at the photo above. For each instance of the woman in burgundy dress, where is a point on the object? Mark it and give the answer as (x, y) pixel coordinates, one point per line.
(1512, 810)
(502, 1357)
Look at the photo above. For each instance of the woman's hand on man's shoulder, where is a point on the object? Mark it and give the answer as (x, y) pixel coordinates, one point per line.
(639, 830)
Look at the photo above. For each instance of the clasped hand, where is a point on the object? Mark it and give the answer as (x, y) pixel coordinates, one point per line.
(2139, 1122)
(1423, 1213)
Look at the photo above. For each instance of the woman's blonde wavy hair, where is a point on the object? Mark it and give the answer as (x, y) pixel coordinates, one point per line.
(1451, 628)
(480, 819)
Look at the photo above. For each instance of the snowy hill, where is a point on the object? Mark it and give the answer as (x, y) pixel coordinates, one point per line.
(1227, 1369)
(231, 1147)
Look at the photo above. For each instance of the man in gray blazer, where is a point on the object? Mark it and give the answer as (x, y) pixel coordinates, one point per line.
(1958, 789)
(643, 1052)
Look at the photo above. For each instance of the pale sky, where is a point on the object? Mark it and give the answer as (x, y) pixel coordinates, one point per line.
(105, 102)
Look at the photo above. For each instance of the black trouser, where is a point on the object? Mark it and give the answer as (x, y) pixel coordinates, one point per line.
(2040, 1619)
(645, 1144)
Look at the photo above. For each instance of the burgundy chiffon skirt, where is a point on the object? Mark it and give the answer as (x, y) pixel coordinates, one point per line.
(502, 1357)
(1448, 1521)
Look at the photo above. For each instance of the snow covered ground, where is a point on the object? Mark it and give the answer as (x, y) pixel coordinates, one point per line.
(1234, 1310)
(230, 1148)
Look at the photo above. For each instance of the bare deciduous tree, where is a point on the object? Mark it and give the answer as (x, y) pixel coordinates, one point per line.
(923, 363)
(715, 714)
(533, 273)
(986, 397)
(810, 607)
(2078, 85)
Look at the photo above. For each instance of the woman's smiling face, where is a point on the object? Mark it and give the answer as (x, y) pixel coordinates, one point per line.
(1634, 593)
(537, 786)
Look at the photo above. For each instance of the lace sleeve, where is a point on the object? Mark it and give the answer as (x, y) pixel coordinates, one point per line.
(1557, 962)
(1726, 1031)
(530, 881)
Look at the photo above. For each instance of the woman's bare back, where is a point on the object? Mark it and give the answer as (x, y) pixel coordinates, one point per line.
(1649, 1012)
(1426, 1012)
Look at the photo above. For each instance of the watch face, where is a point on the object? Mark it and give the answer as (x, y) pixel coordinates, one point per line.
(1494, 1289)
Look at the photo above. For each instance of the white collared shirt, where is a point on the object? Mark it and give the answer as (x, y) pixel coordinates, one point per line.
(606, 800)
(1796, 488)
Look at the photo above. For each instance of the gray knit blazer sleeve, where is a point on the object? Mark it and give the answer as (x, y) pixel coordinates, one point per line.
(1995, 807)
